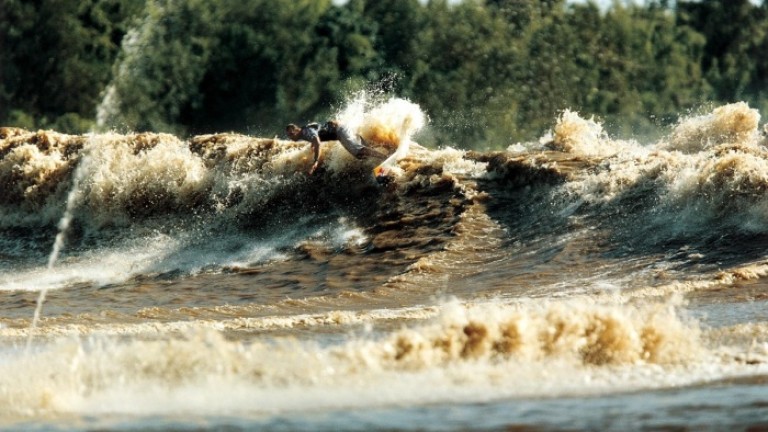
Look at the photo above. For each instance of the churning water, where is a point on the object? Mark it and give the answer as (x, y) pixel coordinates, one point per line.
(580, 282)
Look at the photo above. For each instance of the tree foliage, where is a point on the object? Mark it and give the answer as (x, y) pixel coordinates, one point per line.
(488, 72)
(56, 57)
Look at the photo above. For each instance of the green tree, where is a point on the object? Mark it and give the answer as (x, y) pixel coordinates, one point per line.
(57, 56)
(269, 64)
(551, 75)
(469, 61)
(488, 72)
(735, 33)
(161, 65)
(342, 59)
(649, 66)
(398, 25)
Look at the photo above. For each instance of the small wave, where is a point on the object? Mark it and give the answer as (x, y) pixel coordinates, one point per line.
(484, 350)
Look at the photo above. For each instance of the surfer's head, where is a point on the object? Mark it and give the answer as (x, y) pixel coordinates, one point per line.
(293, 131)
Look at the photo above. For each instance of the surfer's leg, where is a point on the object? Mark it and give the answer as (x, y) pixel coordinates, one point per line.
(367, 152)
(350, 142)
(356, 146)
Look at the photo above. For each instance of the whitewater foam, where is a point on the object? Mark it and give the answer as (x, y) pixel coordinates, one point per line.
(467, 352)
(711, 171)
(729, 124)
(243, 286)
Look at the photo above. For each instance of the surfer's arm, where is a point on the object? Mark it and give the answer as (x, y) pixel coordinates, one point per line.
(315, 143)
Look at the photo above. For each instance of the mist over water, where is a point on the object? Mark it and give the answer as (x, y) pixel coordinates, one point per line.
(210, 280)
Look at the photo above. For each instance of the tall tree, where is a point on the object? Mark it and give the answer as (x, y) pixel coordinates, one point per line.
(57, 57)
(161, 65)
(398, 25)
(268, 64)
(650, 67)
(734, 31)
(470, 61)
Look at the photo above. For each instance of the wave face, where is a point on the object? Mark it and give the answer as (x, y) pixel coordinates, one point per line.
(210, 275)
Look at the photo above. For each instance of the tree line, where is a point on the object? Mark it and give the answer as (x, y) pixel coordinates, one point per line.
(488, 73)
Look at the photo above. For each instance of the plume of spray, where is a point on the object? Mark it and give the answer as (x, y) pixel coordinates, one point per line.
(73, 200)
(108, 110)
(735, 123)
(582, 137)
(388, 122)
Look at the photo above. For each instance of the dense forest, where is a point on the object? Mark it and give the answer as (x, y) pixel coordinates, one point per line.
(488, 73)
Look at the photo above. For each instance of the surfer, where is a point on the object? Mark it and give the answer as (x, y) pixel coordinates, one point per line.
(331, 131)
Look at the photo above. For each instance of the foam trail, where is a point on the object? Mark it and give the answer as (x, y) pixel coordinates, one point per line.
(73, 199)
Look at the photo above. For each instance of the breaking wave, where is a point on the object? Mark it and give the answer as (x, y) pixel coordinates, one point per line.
(200, 275)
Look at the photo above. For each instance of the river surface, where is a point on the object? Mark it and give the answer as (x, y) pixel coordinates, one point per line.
(149, 282)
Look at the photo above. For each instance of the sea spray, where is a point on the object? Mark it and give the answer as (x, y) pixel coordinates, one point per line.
(73, 200)
(108, 110)
(398, 111)
(735, 123)
(386, 121)
(389, 123)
